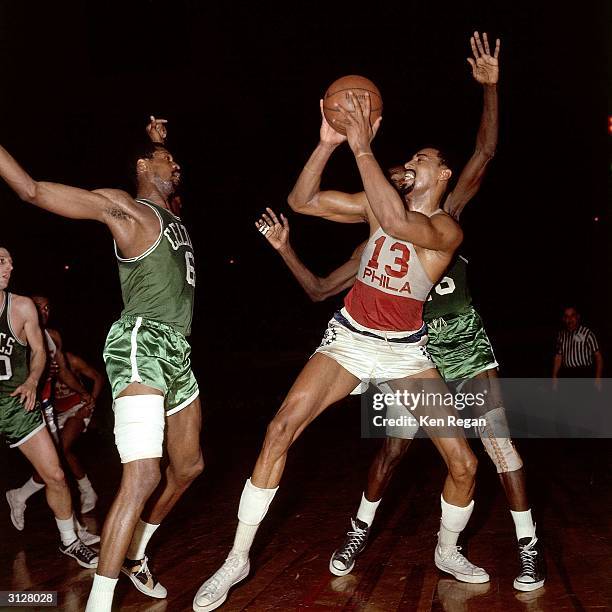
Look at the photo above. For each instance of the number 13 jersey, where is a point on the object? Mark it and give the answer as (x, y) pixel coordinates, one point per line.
(391, 286)
(159, 284)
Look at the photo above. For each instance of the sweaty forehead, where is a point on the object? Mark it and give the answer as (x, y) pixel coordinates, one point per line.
(430, 152)
(4, 253)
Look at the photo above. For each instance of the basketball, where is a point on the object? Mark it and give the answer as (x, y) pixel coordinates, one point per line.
(337, 93)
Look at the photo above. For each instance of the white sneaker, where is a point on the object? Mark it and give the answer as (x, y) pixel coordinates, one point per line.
(87, 538)
(214, 591)
(17, 509)
(451, 561)
(88, 501)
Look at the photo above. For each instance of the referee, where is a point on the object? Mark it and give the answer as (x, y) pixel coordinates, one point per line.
(577, 354)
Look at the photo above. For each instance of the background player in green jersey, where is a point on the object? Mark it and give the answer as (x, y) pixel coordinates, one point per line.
(458, 344)
(22, 362)
(146, 354)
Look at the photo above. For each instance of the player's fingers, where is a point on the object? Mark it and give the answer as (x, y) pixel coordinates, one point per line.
(285, 221)
(472, 63)
(357, 105)
(485, 40)
(473, 45)
(367, 105)
(273, 216)
(376, 126)
(497, 46)
(267, 219)
(321, 107)
(346, 116)
(479, 43)
(162, 120)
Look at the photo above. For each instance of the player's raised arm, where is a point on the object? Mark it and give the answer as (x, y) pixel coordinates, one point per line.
(63, 200)
(27, 390)
(316, 287)
(485, 70)
(306, 197)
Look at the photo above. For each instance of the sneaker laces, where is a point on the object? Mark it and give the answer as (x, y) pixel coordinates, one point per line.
(528, 558)
(455, 555)
(221, 575)
(356, 538)
(144, 567)
(80, 549)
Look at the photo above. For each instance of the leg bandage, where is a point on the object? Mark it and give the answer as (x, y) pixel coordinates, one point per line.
(496, 439)
(139, 426)
(254, 503)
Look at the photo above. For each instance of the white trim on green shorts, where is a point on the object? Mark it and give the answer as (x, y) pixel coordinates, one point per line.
(183, 404)
(26, 438)
(135, 375)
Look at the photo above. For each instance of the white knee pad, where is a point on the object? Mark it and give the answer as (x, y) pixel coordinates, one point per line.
(139, 426)
(254, 503)
(497, 443)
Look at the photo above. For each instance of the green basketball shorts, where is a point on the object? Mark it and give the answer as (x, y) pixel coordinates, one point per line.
(459, 345)
(154, 354)
(16, 425)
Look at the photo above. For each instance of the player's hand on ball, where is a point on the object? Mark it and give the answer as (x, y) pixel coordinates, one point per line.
(276, 232)
(327, 134)
(359, 131)
(485, 67)
(27, 395)
(157, 130)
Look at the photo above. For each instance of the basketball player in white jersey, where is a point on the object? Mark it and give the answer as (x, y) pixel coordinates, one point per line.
(379, 334)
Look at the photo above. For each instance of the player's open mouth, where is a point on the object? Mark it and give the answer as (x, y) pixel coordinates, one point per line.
(409, 178)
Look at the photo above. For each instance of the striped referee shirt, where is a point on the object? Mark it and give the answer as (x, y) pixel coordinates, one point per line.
(577, 347)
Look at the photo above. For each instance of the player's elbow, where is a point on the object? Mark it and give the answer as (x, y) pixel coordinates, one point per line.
(30, 192)
(296, 204)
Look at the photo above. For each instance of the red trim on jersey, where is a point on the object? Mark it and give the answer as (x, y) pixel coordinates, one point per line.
(66, 403)
(378, 310)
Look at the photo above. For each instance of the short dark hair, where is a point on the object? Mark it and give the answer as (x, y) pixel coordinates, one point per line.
(143, 150)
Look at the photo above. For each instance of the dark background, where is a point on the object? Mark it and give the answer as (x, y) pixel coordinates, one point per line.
(240, 85)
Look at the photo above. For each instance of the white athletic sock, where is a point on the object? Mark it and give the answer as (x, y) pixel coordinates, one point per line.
(140, 539)
(28, 489)
(254, 504)
(66, 529)
(101, 594)
(523, 523)
(453, 522)
(243, 540)
(367, 510)
(84, 484)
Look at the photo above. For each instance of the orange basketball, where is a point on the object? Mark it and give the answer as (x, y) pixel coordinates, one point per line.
(337, 93)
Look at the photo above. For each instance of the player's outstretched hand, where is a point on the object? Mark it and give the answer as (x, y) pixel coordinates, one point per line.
(327, 134)
(359, 131)
(485, 67)
(27, 395)
(276, 232)
(157, 131)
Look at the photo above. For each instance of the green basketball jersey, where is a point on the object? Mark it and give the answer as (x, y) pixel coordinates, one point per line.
(14, 359)
(451, 295)
(159, 284)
